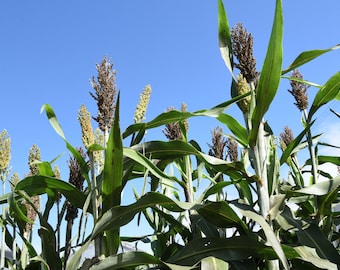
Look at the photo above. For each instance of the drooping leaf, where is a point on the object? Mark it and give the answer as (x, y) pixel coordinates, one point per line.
(228, 249)
(321, 188)
(177, 116)
(326, 94)
(239, 131)
(118, 216)
(309, 255)
(222, 215)
(52, 118)
(270, 74)
(307, 56)
(270, 235)
(127, 260)
(38, 184)
(314, 238)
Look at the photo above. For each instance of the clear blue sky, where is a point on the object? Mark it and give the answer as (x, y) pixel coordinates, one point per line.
(49, 50)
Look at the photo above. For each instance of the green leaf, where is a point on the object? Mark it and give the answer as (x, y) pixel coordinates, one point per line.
(309, 255)
(326, 94)
(121, 215)
(38, 184)
(270, 75)
(57, 127)
(321, 188)
(314, 238)
(307, 56)
(45, 168)
(326, 159)
(224, 38)
(127, 260)
(270, 235)
(222, 215)
(112, 178)
(291, 148)
(228, 249)
(239, 131)
(177, 116)
(212, 263)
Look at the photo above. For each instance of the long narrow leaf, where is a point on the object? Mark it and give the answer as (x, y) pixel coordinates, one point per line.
(121, 215)
(38, 184)
(270, 235)
(270, 75)
(127, 260)
(52, 118)
(307, 56)
(176, 116)
(239, 131)
(112, 178)
(327, 93)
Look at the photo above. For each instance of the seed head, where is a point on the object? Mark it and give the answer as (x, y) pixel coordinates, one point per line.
(142, 106)
(219, 142)
(105, 92)
(84, 119)
(242, 45)
(243, 88)
(299, 91)
(5, 150)
(232, 150)
(286, 137)
(173, 130)
(56, 172)
(77, 180)
(33, 158)
(14, 180)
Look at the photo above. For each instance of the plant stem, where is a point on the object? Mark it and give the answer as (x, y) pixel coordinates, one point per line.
(311, 151)
(94, 192)
(260, 153)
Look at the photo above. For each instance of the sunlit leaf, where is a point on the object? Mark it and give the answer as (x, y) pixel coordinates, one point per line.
(239, 131)
(268, 231)
(307, 56)
(321, 188)
(112, 185)
(270, 74)
(224, 38)
(326, 94)
(314, 238)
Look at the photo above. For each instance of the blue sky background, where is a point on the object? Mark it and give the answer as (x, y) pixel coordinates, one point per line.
(49, 50)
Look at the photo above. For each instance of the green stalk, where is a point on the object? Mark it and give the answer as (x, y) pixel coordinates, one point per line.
(260, 153)
(94, 195)
(311, 150)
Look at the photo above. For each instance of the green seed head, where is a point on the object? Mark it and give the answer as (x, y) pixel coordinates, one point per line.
(243, 88)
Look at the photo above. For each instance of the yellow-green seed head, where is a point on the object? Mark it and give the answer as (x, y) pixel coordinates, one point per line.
(33, 158)
(142, 104)
(84, 119)
(243, 88)
(5, 150)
